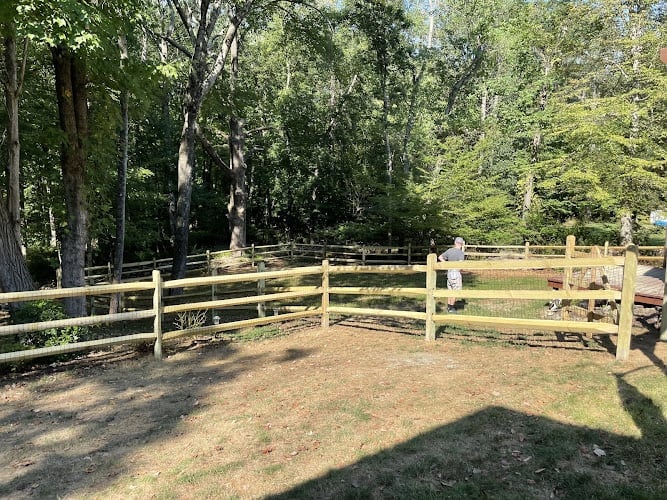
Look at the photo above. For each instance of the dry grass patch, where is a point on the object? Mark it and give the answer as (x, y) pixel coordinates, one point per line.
(349, 412)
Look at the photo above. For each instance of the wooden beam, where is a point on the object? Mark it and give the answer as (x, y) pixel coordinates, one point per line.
(625, 315)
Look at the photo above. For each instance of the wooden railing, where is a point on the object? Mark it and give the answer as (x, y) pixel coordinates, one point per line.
(429, 294)
(203, 263)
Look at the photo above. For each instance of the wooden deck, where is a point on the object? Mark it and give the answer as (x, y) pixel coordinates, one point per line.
(649, 287)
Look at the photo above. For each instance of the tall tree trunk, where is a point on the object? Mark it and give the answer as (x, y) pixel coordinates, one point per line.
(14, 273)
(119, 247)
(12, 80)
(236, 208)
(200, 82)
(237, 190)
(186, 164)
(72, 97)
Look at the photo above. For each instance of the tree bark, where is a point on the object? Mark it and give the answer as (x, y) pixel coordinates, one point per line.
(12, 80)
(412, 113)
(186, 163)
(14, 273)
(236, 209)
(626, 229)
(529, 191)
(70, 73)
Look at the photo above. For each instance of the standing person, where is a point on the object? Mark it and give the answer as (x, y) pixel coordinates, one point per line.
(454, 278)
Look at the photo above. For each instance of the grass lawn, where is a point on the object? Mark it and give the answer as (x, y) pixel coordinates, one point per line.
(366, 409)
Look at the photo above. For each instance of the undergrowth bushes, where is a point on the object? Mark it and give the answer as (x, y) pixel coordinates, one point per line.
(41, 311)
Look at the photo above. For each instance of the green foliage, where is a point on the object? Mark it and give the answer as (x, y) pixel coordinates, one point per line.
(42, 263)
(358, 125)
(44, 311)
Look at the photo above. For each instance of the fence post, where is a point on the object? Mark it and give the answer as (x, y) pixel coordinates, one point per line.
(526, 251)
(325, 294)
(431, 277)
(252, 254)
(409, 253)
(214, 272)
(324, 250)
(363, 256)
(208, 262)
(606, 248)
(627, 303)
(292, 246)
(261, 287)
(570, 242)
(157, 308)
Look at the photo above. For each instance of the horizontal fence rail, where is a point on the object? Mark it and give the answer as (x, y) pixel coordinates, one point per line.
(360, 254)
(327, 283)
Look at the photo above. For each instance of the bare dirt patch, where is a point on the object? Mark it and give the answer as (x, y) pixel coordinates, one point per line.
(364, 409)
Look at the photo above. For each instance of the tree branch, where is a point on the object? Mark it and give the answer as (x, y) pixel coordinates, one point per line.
(184, 18)
(212, 153)
(464, 79)
(176, 45)
(213, 20)
(258, 129)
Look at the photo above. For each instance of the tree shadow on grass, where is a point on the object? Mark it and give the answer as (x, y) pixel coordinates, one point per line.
(53, 448)
(646, 343)
(501, 453)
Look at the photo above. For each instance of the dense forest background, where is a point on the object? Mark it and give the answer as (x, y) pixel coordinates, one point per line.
(135, 129)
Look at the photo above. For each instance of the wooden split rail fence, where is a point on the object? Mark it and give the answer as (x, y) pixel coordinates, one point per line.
(429, 293)
(358, 254)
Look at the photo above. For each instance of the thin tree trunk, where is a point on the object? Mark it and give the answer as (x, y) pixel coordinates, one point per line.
(72, 97)
(410, 123)
(528, 194)
(385, 123)
(119, 247)
(123, 145)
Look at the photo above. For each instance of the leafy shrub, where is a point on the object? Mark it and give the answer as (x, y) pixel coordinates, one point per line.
(42, 263)
(47, 310)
